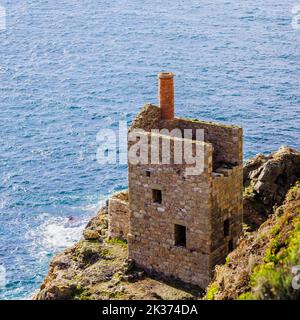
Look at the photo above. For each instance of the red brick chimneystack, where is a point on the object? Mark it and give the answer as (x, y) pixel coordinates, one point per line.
(166, 94)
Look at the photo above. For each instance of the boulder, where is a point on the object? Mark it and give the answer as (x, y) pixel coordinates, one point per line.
(267, 178)
(89, 234)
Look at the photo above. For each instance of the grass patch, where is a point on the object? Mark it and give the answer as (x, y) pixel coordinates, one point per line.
(82, 294)
(105, 253)
(249, 191)
(273, 278)
(227, 261)
(211, 292)
(246, 296)
(118, 241)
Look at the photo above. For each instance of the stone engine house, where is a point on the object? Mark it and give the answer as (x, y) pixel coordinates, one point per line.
(181, 225)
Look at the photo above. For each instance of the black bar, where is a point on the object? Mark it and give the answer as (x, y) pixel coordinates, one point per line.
(131, 309)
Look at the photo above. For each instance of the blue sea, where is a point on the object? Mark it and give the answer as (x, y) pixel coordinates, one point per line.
(71, 68)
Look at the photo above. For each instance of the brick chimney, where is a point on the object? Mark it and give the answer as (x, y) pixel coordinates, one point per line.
(166, 95)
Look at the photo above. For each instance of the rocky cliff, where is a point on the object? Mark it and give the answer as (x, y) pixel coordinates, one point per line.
(259, 268)
(267, 178)
(98, 268)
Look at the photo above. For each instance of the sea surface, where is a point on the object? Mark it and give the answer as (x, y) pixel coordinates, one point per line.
(71, 68)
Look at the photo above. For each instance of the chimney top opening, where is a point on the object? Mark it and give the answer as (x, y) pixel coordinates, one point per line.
(162, 75)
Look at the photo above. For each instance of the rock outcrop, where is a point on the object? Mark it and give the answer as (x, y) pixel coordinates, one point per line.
(267, 178)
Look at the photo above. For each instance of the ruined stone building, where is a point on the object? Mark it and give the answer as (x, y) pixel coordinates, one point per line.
(181, 225)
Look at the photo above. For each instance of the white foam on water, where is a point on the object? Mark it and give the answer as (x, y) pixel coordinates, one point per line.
(6, 177)
(57, 233)
(54, 234)
(2, 203)
(2, 276)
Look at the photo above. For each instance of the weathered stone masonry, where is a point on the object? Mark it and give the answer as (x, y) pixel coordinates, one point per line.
(182, 226)
(118, 215)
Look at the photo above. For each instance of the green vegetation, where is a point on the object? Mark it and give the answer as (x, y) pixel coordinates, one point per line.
(273, 278)
(248, 191)
(105, 253)
(116, 241)
(211, 292)
(82, 294)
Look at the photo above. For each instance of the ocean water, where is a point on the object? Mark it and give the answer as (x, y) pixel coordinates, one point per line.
(70, 68)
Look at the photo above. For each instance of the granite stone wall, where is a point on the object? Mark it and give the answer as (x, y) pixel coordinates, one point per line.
(119, 217)
(227, 211)
(185, 201)
(226, 140)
